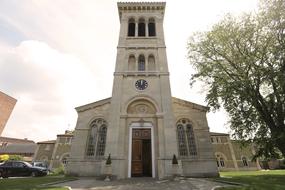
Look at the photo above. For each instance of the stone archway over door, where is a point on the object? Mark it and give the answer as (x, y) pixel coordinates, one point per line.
(141, 150)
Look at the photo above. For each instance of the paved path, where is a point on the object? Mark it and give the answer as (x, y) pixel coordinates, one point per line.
(143, 184)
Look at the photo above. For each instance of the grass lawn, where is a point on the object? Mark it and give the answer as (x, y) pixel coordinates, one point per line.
(32, 183)
(255, 180)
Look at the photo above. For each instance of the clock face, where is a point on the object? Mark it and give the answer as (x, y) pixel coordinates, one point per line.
(141, 84)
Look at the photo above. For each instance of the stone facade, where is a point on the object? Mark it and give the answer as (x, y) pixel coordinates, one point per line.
(7, 104)
(230, 150)
(230, 155)
(142, 126)
(54, 152)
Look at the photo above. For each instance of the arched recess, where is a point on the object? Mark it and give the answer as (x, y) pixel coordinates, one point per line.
(141, 98)
(64, 158)
(151, 63)
(131, 27)
(141, 106)
(132, 63)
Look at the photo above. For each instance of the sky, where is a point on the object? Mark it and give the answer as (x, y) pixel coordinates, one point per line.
(58, 55)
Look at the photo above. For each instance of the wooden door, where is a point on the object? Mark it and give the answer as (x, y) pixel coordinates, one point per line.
(141, 153)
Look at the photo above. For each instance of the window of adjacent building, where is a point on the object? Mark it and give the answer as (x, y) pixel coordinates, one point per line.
(131, 27)
(97, 138)
(222, 162)
(141, 27)
(151, 63)
(212, 139)
(64, 160)
(141, 63)
(186, 138)
(244, 161)
(151, 28)
(132, 63)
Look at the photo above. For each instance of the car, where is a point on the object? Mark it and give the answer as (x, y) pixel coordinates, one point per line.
(21, 168)
(40, 164)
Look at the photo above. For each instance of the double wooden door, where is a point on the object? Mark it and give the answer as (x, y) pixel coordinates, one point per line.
(141, 153)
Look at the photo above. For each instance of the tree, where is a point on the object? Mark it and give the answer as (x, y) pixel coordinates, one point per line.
(242, 62)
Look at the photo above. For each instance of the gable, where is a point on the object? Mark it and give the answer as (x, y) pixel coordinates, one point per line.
(189, 105)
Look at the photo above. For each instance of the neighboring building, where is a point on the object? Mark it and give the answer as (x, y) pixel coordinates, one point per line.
(54, 152)
(142, 126)
(230, 155)
(22, 147)
(7, 104)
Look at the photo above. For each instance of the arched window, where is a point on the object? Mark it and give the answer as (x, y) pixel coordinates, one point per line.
(97, 138)
(244, 161)
(186, 140)
(220, 160)
(151, 27)
(132, 63)
(141, 27)
(131, 27)
(151, 63)
(141, 63)
(64, 160)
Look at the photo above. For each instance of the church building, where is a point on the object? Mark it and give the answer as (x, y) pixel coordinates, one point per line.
(142, 126)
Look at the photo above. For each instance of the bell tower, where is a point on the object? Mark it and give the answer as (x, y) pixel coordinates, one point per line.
(141, 101)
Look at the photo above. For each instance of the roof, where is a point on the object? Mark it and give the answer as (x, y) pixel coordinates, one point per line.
(15, 140)
(65, 135)
(218, 134)
(47, 142)
(190, 104)
(93, 105)
(18, 148)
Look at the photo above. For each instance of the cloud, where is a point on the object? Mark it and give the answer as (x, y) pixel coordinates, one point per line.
(48, 84)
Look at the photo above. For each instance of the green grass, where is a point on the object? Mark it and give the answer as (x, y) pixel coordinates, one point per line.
(32, 183)
(255, 180)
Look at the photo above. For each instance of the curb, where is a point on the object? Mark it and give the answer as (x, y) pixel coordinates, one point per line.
(57, 182)
(230, 183)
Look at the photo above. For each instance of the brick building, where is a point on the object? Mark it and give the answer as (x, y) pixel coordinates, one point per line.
(7, 104)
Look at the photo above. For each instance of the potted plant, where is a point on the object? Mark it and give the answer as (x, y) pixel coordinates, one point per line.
(108, 168)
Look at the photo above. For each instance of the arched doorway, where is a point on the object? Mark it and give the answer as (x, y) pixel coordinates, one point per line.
(141, 157)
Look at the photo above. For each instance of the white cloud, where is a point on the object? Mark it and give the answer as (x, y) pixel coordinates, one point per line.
(48, 85)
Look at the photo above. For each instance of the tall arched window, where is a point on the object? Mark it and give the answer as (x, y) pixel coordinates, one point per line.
(151, 63)
(141, 31)
(132, 63)
(141, 63)
(97, 138)
(186, 140)
(151, 27)
(244, 161)
(131, 27)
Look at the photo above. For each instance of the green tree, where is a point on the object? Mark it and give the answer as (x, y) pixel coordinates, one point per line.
(242, 62)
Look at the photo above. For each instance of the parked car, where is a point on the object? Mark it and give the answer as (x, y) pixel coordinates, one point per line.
(40, 164)
(21, 168)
